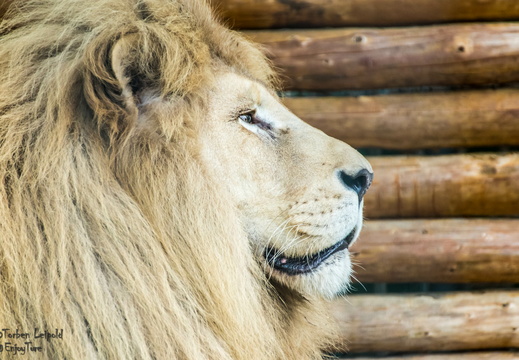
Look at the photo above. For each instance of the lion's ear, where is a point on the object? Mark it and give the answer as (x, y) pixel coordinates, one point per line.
(114, 81)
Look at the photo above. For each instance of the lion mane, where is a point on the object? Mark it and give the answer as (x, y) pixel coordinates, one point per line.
(109, 228)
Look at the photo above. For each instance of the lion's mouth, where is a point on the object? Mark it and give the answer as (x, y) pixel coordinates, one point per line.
(304, 264)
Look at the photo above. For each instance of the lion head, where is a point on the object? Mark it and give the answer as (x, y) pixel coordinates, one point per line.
(158, 200)
(297, 191)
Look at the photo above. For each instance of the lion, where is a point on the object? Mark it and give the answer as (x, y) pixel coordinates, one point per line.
(158, 201)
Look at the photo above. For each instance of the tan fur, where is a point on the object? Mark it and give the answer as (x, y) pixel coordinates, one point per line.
(115, 223)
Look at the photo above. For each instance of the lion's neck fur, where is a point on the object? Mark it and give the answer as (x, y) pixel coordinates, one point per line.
(130, 248)
(82, 255)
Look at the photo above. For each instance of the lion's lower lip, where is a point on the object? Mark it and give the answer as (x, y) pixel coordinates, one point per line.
(304, 264)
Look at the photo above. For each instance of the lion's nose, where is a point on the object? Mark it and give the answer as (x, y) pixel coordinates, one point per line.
(359, 182)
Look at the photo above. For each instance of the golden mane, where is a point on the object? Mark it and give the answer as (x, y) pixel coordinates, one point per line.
(115, 235)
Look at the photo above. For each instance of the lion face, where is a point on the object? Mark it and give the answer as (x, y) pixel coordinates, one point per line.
(298, 192)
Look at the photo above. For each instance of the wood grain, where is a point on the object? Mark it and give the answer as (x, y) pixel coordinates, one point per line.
(256, 14)
(369, 58)
(476, 355)
(444, 186)
(419, 323)
(438, 251)
(325, 13)
(416, 121)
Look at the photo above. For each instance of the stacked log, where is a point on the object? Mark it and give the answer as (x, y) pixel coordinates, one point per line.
(438, 251)
(413, 121)
(429, 322)
(372, 58)
(477, 355)
(257, 14)
(444, 186)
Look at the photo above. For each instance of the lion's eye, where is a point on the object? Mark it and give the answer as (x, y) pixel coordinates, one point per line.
(247, 118)
(254, 123)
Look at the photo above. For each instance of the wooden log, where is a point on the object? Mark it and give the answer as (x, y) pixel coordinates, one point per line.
(255, 14)
(476, 355)
(438, 251)
(447, 55)
(419, 323)
(444, 186)
(416, 121)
